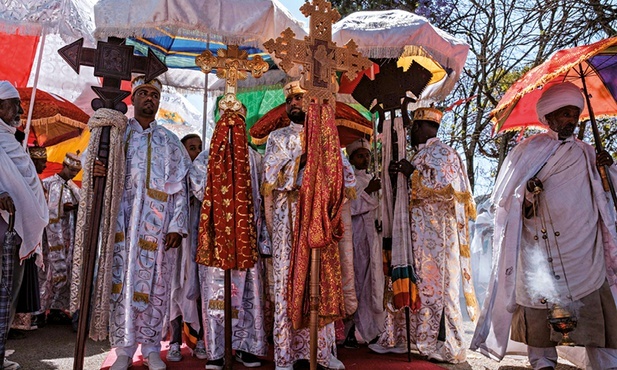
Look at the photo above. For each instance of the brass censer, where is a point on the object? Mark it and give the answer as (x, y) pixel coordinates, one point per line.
(562, 320)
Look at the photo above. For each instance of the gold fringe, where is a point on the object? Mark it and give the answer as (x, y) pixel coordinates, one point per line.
(267, 188)
(147, 245)
(116, 288)
(119, 237)
(354, 126)
(350, 193)
(259, 141)
(465, 251)
(421, 193)
(158, 195)
(141, 297)
(56, 248)
(55, 119)
(54, 220)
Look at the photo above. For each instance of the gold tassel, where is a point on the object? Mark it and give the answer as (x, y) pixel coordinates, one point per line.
(141, 297)
(147, 245)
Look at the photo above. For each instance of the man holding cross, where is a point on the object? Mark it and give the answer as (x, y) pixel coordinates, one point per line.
(151, 223)
(284, 164)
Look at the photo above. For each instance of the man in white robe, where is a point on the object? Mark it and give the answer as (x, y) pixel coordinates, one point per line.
(152, 221)
(284, 163)
(62, 200)
(21, 193)
(555, 239)
(441, 205)
(369, 319)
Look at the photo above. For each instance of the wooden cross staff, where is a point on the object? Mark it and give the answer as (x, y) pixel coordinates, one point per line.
(321, 58)
(232, 65)
(114, 62)
(318, 54)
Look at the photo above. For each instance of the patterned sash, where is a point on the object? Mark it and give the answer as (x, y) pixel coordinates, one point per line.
(318, 224)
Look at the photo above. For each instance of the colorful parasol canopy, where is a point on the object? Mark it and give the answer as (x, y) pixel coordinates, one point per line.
(350, 123)
(595, 64)
(398, 33)
(54, 119)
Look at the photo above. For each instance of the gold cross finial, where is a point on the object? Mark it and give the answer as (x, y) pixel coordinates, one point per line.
(320, 56)
(231, 64)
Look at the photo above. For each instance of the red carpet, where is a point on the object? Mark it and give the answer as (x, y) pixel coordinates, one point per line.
(361, 358)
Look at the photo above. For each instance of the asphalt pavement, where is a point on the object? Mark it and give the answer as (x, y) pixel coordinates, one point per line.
(53, 347)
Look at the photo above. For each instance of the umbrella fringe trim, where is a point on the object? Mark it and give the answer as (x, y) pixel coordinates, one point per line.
(548, 77)
(57, 118)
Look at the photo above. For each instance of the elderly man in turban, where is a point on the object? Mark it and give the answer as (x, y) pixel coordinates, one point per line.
(21, 193)
(62, 200)
(152, 221)
(556, 243)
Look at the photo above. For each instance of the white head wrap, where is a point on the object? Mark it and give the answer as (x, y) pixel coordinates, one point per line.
(360, 143)
(559, 96)
(8, 91)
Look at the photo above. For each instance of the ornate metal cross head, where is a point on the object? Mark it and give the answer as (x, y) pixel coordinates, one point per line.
(114, 62)
(231, 64)
(318, 54)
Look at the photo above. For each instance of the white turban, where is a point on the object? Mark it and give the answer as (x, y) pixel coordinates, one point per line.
(8, 91)
(360, 143)
(559, 96)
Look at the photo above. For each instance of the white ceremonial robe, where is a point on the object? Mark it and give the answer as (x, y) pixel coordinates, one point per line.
(368, 261)
(526, 159)
(441, 205)
(282, 179)
(55, 278)
(154, 203)
(18, 178)
(247, 291)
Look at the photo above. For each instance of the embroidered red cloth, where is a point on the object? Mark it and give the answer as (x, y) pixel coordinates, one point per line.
(227, 237)
(318, 224)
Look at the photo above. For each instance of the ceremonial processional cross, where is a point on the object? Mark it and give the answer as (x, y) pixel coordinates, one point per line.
(231, 65)
(318, 54)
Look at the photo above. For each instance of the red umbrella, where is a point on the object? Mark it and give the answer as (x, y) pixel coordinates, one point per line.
(594, 64)
(350, 123)
(54, 119)
(591, 67)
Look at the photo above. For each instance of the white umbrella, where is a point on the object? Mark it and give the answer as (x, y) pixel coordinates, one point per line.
(50, 19)
(237, 22)
(385, 34)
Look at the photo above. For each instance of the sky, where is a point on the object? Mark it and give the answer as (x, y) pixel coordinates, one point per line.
(294, 7)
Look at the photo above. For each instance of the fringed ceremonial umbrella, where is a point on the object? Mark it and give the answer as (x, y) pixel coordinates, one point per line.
(592, 67)
(53, 119)
(38, 21)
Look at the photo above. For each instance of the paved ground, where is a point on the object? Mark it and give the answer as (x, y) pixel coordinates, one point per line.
(52, 347)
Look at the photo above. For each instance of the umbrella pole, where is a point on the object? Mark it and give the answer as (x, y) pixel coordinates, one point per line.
(204, 122)
(36, 82)
(90, 251)
(228, 313)
(607, 182)
(314, 305)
